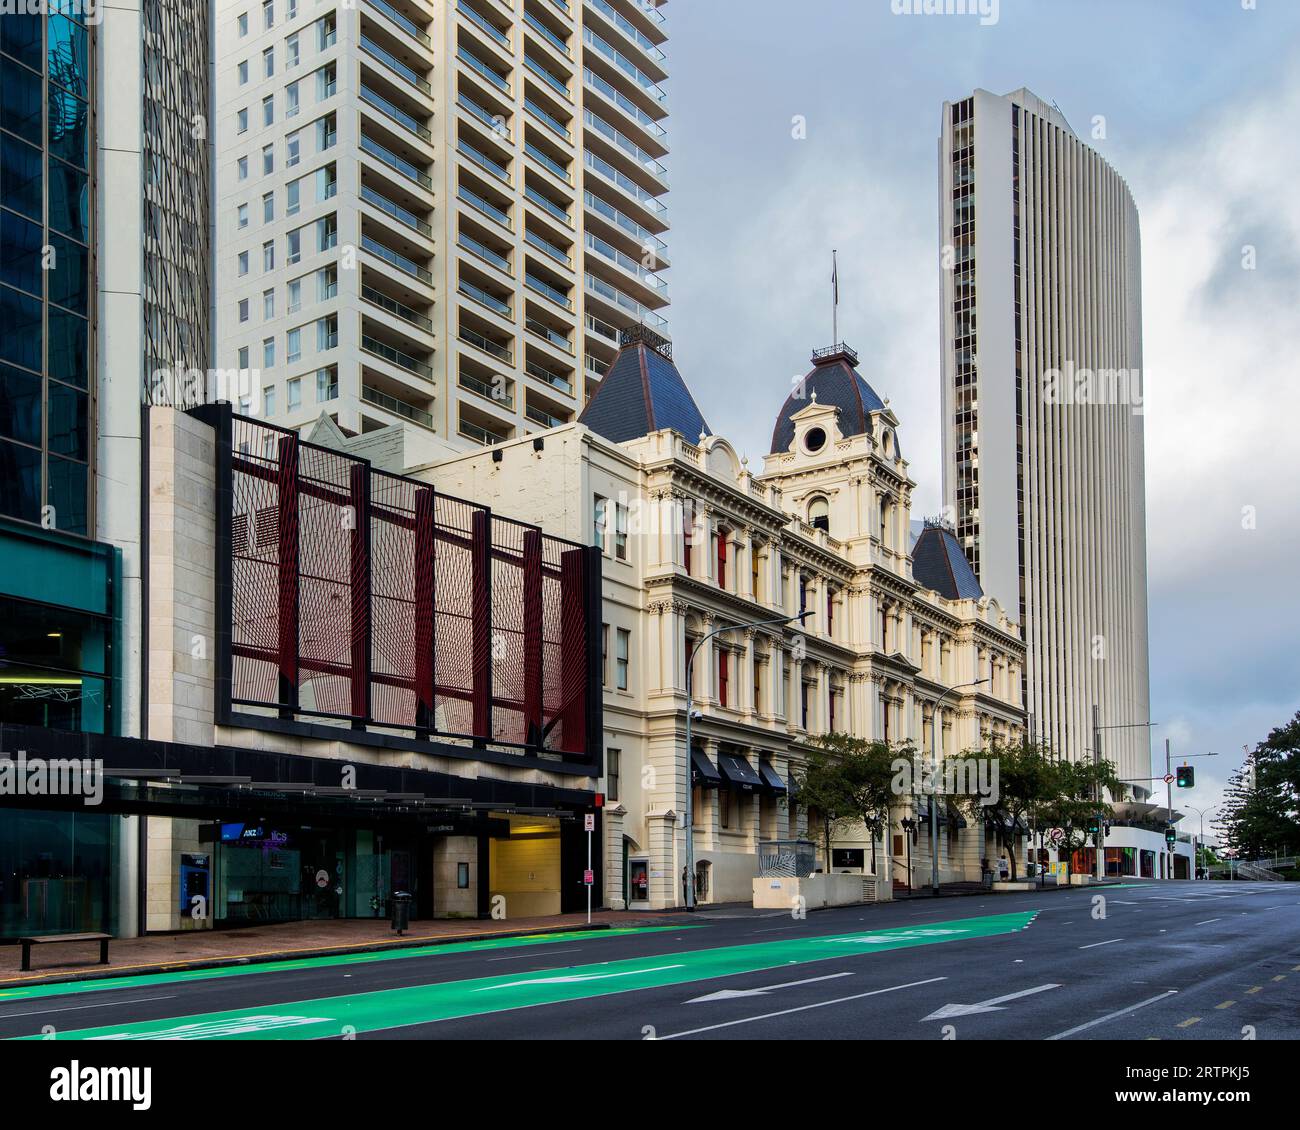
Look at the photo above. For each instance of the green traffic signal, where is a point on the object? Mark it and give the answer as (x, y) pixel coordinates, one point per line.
(1185, 776)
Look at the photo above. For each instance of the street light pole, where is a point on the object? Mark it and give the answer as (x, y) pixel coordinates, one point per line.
(934, 767)
(1200, 838)
(690, 706)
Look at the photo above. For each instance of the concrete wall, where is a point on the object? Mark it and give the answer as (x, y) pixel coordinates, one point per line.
(809, 893)
(449, 900)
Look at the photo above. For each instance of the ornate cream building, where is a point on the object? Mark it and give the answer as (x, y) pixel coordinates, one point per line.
(694, 540)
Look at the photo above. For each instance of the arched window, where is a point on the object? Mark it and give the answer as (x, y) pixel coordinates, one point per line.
(819, 514)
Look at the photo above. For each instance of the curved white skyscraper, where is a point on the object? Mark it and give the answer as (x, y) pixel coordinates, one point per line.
(1042, 403)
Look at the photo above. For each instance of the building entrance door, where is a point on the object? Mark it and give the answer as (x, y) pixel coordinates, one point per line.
(324, 882)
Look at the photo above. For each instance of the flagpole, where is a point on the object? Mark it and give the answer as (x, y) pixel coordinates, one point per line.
(835, 298)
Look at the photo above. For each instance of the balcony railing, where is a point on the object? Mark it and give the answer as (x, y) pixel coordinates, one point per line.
(483, 251)
(629, 225)
(480, 341)
(646, 199)
(491, 301)
(541, 373)
(399, 407)
(602, 328)
(494, 122)
(479, 434)
(482, 388)
(595, 366)
(404, 22)
(542, 73)
(538, 416)
(542, 330)
(624, 64)
(547, 34)
(548, 205)
(611, 253)
(552, 123)
(634, 33)
(485, 206)
(623, 102)
(484, 25)
(397, 357)
(548, 248)
(395, 112)
(401, 262)
(544, 288)
(479, 67)
(393, 161)
(550, 164)
(654, 167)
(397, 309)
(612, 294)
(483, 161)
(395, 64)
(400, 214)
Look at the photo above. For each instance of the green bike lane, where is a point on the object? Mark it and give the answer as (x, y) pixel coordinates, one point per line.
(382, 1009)
(446, 949)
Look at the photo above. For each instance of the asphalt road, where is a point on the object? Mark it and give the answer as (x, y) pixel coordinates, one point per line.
(1169, 961)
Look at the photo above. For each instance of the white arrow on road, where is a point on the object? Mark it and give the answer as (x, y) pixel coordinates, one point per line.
(575, 978)
(733, 994)
(994, 1004)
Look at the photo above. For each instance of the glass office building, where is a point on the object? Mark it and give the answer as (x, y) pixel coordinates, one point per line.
(46, 269)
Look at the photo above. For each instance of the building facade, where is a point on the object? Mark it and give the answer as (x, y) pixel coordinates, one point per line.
(1042, 410)
(692, 541)
(436, 214)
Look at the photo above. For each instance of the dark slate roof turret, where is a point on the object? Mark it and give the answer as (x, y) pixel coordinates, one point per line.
(643, 392)
(834, 380)
(938, 563)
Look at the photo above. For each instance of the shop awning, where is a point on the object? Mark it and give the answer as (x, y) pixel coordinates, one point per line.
(703, 772)
(738, 772)
(771, 778)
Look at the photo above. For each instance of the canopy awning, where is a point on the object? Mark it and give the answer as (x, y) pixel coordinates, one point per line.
(771, 778)
(738, 772)
(703, 771)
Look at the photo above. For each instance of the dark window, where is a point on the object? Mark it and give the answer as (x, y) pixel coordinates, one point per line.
(20, 481)
(20, 328)
(20, 175)
(723, 672)
(20, 405)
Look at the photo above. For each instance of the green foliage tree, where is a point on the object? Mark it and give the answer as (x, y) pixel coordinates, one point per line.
(1260, 814)
(849, 781)
(1024, 786)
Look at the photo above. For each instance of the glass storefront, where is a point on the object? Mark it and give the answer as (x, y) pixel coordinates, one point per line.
(55, 872)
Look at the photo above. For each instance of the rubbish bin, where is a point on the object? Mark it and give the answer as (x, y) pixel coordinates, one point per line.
(401, 911)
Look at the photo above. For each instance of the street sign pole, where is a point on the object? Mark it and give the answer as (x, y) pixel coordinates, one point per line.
(588, 877)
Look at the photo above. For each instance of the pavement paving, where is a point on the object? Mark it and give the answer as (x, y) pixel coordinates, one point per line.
(1159, 960)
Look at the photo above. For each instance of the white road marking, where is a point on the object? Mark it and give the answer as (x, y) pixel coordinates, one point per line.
(576, 978)
(732, 994)
(993, 1004)
(800, 1008)
(534, 956)
(81, 1007)
(1107, 942)
(1111, 1016)
(1208, 921)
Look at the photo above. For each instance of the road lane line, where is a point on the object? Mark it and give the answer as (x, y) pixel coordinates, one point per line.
(1189, 1022)
(535, 956)
(1255, 989)
(800, 1008)
(82, 1007)
(1111, 1016)
(1208, 921)
(1225, 1004)
(1107, 942)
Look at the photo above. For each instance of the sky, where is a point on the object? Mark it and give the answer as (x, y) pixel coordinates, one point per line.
(1200, 101)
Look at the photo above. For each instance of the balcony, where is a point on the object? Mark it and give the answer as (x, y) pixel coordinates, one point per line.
(603, 86)
(483, 70)
(493, 122)
(613, 176)
(555, 380)
(546, 333)
(547, 34)
(483, 251)
(639, 156)
(484, 298)
(392, 111)
(395, 356)
(483, 161)
(480, 434)
(611, 294)
(611, 254)
(408, 73)
(547, 205)
(397, 309)
(495, 349)
(497, 390)
(401, 262)
(549, 163)
(548, 248)
(550, 122)
(414, 30)
(642, 235)
(541, 416)
(553, 81)
(408, 169)
(474, 200)
(634, 34)
(628, 66)
(486, 26)
(400, 214)
(399, 407)
(540, 286)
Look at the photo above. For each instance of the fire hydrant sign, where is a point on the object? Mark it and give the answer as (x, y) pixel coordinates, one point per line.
(588, 877)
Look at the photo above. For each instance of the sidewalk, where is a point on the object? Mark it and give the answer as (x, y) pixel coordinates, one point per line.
(201, 949)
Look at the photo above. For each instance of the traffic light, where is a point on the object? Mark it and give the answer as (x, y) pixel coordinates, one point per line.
(1092, 825)
(1171, 836)
(1185, 776)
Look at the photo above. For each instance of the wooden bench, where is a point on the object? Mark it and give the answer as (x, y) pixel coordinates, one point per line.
(48, 939)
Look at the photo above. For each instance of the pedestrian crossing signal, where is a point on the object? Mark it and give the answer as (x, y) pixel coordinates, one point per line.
(1185, 777)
